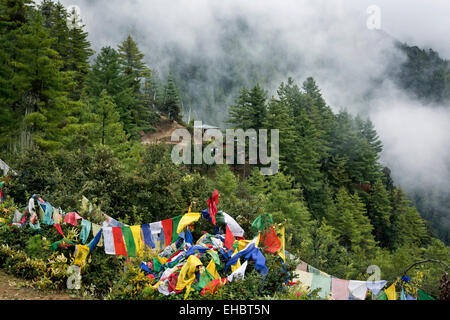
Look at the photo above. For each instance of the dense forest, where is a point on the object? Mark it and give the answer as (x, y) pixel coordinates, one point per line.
(71, 123)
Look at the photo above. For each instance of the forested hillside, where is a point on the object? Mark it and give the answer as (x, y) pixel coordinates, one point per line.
(71, 123)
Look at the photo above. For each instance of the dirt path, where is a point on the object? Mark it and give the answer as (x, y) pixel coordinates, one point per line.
(12, 288)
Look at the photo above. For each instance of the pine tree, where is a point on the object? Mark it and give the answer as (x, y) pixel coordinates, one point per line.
(351, 223)
(171, 105)
(135, 70)
(258, 107)
(14, 19)
(79, 51)
(106, 75)
(250, 110)
(41, 85)
(379, 211)
(106, 126)
(131, 60)
(239, 113)
(407, 227)
(278, 118)
(305, 151)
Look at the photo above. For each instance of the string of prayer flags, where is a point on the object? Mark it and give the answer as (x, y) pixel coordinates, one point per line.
(302, 266)
(56, 216)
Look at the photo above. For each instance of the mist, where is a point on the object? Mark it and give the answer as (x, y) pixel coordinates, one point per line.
(328, 40)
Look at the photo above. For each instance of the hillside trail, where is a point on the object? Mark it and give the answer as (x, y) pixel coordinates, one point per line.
(12, 288)
(163, 133)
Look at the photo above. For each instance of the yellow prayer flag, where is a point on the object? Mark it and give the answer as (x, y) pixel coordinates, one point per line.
(136, 231)
(257, 240)
(81, 253)
(187, 219)
(213, 270)
(390, 292)
(187, 274)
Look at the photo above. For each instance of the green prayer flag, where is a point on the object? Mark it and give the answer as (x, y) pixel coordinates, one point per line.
(262, 222)
(424, 296)
(175, 222)
(205, 278)
(382, 296)
(156, 265)
(85, 230)
(55, 245)
(129, 241)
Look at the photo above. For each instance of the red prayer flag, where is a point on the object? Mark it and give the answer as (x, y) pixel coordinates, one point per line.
(213, 286)
(270, 240)
(119, 244)
(229, 238)
(167, 228)
(58, 227)
(212, 205)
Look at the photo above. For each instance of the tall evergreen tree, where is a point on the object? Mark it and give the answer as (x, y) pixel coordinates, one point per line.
(132, 62)
(135, 70)
(106, 75)
(171, 105)
(379, 211)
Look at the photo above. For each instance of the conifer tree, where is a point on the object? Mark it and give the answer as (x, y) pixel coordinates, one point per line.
(106, 75)
(351, 223)
(135, 71)
(131, 60)
(106, 126)
(407, 227)
(379, 211)
(171, 105)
